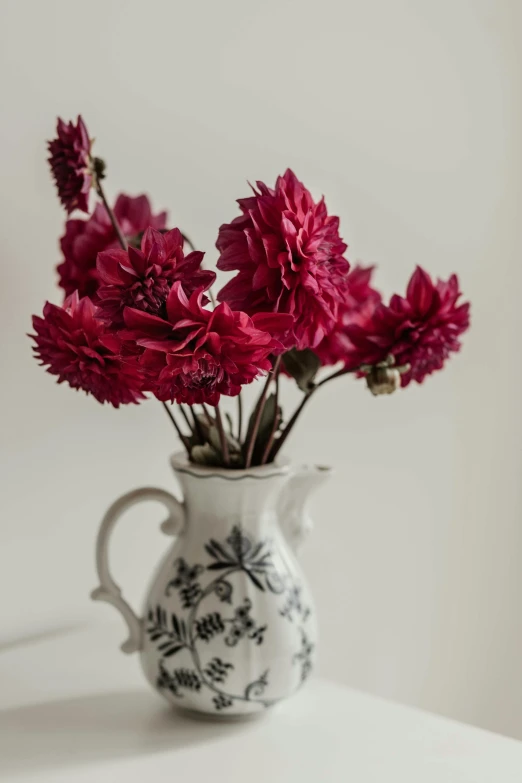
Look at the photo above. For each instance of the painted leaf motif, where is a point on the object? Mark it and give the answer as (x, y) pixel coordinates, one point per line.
(209, 625)
(219, 566)
(217, 670)
(216, 551)
(173, 650)
(239, 543)
(169, 630)
(255, 580)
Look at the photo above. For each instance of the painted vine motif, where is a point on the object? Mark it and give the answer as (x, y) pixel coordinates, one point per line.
(238, 553)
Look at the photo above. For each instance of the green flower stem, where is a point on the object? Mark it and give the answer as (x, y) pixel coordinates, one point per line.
(291, 423)
(112, 216)
(338, 374)
(182, 437)
(197, 425)
(189, 242)
(187, 420)
(239, 417)
(276, 422)
(222, 437)
(259, 412)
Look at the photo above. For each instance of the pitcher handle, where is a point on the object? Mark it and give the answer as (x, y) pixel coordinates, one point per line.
(108, 590)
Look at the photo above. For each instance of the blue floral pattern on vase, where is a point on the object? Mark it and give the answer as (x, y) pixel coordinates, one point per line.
(235, 624)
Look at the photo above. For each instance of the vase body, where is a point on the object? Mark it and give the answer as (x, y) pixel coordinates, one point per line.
(228, 624)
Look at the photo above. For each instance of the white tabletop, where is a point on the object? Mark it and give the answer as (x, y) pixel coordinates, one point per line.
(75, 709)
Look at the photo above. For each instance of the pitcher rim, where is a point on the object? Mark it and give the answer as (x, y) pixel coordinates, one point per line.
(181, 464)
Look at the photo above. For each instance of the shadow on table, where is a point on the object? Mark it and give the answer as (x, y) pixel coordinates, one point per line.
(24, 640)
(98, 727)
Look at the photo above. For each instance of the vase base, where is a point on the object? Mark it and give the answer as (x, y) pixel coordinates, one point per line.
(211, 717)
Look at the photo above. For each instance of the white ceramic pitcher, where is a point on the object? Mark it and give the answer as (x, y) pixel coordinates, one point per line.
(228, 626)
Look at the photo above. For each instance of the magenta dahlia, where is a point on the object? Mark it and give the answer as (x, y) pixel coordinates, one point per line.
(194, 355)
(289, 258)
(84, 239)
(75, 346)
(71, 165)
(142, 278)
(421, 329)
(359, 302)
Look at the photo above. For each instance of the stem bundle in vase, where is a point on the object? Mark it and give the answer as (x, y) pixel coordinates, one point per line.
(139, 318)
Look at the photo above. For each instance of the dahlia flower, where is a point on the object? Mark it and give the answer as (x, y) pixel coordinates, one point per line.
(420, 330)
(142, 278)
(359, 302)
(289, 258)
(71, 165)
(84, 239)
(76, 347)
(194, 355)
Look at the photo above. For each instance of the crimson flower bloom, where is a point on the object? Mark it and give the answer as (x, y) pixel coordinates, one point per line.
(142, 278)
(71, 166)
(76, 347)
(84, 239)
(359, 303)
(420, 330)
(290, 258)
(195, 355)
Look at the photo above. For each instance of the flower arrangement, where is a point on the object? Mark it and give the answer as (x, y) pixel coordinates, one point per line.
(139, 318)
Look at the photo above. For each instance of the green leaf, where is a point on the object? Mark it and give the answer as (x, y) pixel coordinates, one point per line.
(230, 423)
(267, 419)
(302, 366)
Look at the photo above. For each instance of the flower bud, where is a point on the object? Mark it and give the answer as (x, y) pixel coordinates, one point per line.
(71, 164)
(383, 380)
(99, 168)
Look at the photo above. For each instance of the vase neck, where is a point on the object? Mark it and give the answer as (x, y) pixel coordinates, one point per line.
(218, 502)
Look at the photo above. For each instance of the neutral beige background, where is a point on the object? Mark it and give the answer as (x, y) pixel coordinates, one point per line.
(407, 115)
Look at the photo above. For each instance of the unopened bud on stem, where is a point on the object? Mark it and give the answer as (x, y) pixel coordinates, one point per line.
(385, 377)
(99, 168)
(383, 380)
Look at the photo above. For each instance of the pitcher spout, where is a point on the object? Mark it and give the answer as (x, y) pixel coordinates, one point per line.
(292, 507)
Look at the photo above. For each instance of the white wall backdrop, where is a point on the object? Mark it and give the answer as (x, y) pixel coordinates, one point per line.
(407, 115)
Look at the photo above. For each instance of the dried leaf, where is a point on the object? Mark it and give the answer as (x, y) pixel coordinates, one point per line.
(215, 441)
(206, 455)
